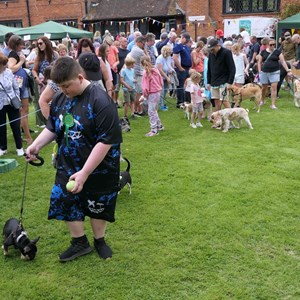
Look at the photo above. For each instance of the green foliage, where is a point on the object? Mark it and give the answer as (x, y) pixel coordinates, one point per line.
(290, 10)
(212, 215)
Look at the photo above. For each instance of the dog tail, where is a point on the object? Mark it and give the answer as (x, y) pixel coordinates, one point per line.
(128, 164)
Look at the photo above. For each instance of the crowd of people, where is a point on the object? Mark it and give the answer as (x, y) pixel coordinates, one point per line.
(176, 57)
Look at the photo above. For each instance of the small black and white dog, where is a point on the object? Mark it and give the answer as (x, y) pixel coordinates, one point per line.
(15, 235)
(125, 124)
(125, 177)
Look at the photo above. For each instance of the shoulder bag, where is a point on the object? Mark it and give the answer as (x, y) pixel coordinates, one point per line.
(15, 102)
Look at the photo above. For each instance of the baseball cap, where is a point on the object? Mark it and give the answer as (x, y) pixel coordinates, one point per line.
(212, 43)
(91, 65)
(186, 36)
(220, 32)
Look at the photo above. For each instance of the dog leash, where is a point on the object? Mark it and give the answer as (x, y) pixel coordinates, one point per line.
(33, 163)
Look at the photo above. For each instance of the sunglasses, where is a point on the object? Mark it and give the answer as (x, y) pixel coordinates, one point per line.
(271, 44)
(40, 44)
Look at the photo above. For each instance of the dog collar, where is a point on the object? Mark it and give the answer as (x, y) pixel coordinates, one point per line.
(23, 233)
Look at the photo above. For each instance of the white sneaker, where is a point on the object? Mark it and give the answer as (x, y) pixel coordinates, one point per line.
(20, 152)
(2, 152)
(193, 125)
(198, 124)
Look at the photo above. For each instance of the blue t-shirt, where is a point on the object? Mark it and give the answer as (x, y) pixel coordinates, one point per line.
(185, 55)
(128, 76)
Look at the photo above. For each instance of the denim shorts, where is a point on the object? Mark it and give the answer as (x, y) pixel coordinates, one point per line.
(266, 78)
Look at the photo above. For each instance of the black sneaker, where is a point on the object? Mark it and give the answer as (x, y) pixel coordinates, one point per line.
(76, 249)
(103, 250)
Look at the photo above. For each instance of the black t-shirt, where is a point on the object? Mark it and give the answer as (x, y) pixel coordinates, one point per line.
(270, 64)
(255, 48)
(15, 55)
(95, 120)
(122, 55)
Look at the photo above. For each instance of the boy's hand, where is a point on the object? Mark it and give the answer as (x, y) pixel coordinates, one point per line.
(80, 179)
(31, 152)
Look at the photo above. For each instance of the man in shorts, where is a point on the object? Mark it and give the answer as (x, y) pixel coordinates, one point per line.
(84, 121)
(137, 52)
(220, 73)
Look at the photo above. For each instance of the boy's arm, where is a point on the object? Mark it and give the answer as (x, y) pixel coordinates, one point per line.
(125, 84)
(95, 158)
(45, 137)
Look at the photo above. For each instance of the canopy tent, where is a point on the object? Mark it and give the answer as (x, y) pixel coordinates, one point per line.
(53, 31)
(4, 30)
(289, 24)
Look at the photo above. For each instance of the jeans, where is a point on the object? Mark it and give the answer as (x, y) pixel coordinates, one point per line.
(12, 114)
(163, 93)
(182, 76)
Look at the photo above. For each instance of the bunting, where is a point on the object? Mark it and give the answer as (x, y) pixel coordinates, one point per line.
(154, 22)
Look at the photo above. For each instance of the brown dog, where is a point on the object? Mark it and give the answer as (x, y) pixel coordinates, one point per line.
(247, 91)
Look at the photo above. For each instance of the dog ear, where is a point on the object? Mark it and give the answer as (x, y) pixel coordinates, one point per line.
(35, 240)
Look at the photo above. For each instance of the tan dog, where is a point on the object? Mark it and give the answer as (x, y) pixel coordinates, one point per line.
(247, 91)
(223, 118)
(297, 92)
(188, 108)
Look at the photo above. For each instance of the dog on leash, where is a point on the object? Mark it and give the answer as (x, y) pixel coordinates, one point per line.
(125, 177)
(225, 117)
(15, 235)
(125, 124)
(188, 109)
(247, 91)
(297, 92)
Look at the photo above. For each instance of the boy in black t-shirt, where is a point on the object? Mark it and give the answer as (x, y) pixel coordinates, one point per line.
(84, 121)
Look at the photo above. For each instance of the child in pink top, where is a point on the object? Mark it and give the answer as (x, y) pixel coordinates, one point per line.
(152, 83)
(197, 99)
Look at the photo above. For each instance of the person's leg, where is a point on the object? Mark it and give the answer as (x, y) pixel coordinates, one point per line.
(218, 104)
(180, 88)
(152, 113)
(14, 114)
(273, 94)
(126, 100)
(264, 93)
(79, 243)
(3, 129)
(24, 120)
(99, 227)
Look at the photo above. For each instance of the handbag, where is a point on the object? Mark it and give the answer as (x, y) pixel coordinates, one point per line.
(15, 102)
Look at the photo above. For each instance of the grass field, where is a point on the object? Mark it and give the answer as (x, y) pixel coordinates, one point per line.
(212, 215)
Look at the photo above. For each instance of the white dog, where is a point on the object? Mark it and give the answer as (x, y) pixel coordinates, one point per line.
(223, 118)
(188, 108)
(297, 92)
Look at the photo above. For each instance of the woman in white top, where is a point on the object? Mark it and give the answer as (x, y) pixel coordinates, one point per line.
(241, 65)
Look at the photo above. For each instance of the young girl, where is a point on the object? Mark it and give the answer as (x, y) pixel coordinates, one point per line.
(152, 83)
(197, 99)
(241, 65)
(187, 87)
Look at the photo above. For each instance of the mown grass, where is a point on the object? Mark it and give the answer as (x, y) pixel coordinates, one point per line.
(211, 216)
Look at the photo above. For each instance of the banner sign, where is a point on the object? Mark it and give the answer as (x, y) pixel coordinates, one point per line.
(258, 26)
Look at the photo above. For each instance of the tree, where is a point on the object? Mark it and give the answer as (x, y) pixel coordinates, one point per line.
(290, 10)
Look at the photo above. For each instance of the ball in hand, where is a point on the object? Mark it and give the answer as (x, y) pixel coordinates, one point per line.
(70, 185)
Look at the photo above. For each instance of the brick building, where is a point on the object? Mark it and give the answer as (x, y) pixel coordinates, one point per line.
(199, 17)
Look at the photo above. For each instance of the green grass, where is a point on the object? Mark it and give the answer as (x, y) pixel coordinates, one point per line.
(212, 215)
